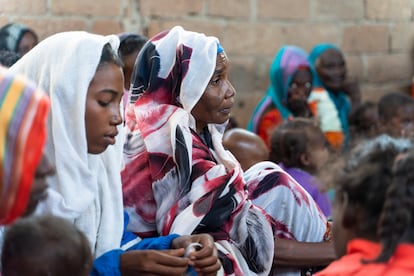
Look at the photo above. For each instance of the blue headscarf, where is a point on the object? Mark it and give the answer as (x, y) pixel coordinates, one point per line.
(340, 99)
(285, 64)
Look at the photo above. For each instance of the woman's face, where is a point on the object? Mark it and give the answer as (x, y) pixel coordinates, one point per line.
(129, 62)
(39, 186)
(217, 100)
(102, 115)
(331, 69)
(299, 91)
(27, 42)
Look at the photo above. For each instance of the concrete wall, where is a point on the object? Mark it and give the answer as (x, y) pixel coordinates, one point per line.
(375, 35)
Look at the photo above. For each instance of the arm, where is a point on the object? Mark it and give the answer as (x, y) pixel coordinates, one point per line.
(303, 254)
(140, 256)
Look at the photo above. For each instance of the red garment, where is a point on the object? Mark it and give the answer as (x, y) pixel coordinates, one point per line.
(268, 124)
(350, 264)
(399, 265)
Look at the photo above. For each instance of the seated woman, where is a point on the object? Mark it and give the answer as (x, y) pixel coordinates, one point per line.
(372, 211)
(81, 72)
(334, 94)
(287, 95)
(178, 178)
(17, 38)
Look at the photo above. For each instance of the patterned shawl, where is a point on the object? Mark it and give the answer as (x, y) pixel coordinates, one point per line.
(173, 182)
(10, 36)
(285, 64)
(340, 99)
(23, 117)
(86, 188)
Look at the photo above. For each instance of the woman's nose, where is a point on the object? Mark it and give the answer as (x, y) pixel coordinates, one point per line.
(116, 119)
(230, 91)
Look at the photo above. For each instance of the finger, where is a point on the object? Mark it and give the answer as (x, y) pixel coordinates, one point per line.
(203, 253)
(209, 270)
(175, 252)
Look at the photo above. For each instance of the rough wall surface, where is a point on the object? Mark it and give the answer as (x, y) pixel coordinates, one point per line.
(377, 36)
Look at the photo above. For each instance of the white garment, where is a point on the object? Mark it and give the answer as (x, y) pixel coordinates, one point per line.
(326, 110)
(86, 188)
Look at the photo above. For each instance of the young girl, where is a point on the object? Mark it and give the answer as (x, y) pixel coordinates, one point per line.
(396, 223)
(81, 72)
(372, 205)
(300, 148)
(287, 95)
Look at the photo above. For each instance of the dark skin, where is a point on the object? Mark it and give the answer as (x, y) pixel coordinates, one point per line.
(331, 68)
(213, 107)
(102, 116)
(401, 124)
(27, 42)
(298, 93)
(217, 100)
(173, 262)
(129, 61)
(39, 186)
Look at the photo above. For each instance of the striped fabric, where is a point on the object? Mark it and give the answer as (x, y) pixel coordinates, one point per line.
(23, 114)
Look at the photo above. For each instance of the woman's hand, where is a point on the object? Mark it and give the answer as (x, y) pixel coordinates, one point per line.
(154, 262)
(204, 260)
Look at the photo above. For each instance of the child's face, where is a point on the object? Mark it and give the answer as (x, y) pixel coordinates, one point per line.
(331, 69)
(317, 150)
(299, 90)
(370, 122)
(102, 115)
(402, 124)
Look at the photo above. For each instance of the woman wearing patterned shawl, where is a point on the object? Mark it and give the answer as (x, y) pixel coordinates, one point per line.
(82, 74)
(333, 92)
(290, 85)
(177, 177)
(23, 115)
(17, 38)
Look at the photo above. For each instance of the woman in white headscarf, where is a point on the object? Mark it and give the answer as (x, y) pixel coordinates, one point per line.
(82, 75)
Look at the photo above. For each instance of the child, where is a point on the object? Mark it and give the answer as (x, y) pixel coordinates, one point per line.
(363, 122)
(363, 183)
(300, 148)
(287, 95)
(396, 223)
(396, 115)
(45, 245)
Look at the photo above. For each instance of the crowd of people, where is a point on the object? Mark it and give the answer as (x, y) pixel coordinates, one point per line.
(120, 157)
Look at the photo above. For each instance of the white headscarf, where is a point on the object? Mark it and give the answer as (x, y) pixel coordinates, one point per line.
(86, 188)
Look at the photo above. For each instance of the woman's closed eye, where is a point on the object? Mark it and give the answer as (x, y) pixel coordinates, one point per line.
(215, 81)
(103, 103)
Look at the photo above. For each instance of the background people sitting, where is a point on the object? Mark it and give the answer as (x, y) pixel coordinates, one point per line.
(287, 95)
